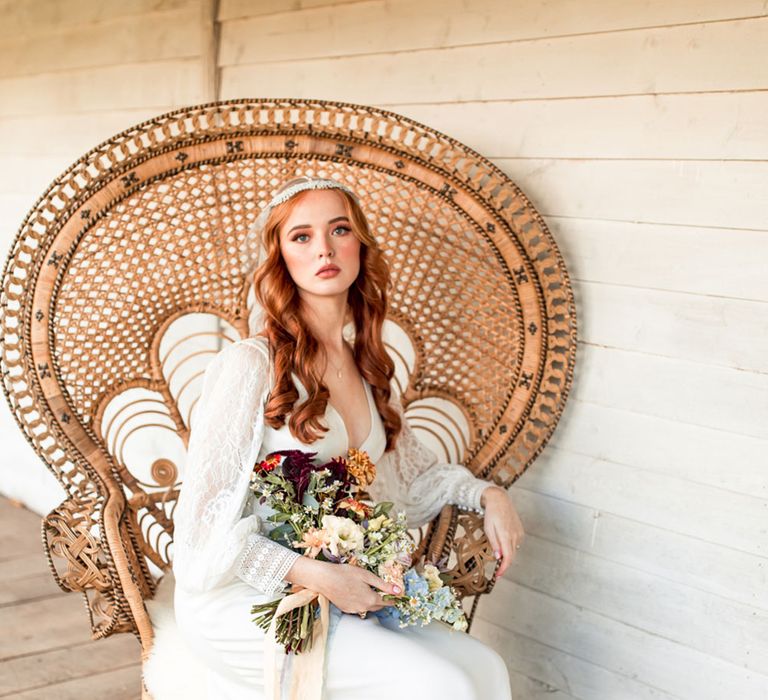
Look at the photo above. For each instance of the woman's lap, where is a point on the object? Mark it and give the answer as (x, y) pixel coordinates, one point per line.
(366, 660)
(485, 667)
(218, 627)
(372, 660)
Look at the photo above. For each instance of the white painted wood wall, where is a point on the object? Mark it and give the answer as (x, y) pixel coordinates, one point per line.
(72, 74)
(639, 131)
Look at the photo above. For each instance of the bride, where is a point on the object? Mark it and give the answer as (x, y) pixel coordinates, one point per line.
(298, 384)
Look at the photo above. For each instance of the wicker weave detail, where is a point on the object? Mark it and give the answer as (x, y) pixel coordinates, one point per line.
(76, 557)
(113, 279)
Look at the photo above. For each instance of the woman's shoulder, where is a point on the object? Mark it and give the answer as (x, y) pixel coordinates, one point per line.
(255, 341)
(251, 351)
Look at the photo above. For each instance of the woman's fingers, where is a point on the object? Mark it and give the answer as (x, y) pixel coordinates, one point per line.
(493, 540)
(510, 546)
(503, 530)
(498, 548)
(376, 601)
(380, 603)
(382, 585)
(506, 558)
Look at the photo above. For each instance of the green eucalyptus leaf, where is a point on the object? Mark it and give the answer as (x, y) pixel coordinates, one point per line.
(310, 501)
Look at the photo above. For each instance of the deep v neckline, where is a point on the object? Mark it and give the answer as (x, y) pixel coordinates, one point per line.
(368, 397)
(367, 391)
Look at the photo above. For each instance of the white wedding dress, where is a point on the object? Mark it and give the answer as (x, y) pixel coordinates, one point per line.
(224, 563)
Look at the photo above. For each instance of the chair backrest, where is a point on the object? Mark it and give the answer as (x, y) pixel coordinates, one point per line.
(133, 268)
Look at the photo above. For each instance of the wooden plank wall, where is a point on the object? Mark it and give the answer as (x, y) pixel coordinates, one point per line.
(72, 74)
(639, 131)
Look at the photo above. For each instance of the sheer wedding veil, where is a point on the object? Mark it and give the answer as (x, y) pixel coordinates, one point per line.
(253, 250)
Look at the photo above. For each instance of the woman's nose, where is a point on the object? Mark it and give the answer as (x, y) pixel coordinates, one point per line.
(325, 247)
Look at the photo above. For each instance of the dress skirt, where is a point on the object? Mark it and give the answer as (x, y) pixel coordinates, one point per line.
(366, 659)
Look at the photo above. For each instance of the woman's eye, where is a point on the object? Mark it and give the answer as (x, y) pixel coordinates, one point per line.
(341, 228)
(296, 238)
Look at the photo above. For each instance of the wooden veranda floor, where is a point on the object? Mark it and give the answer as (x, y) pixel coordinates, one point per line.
(46, 650)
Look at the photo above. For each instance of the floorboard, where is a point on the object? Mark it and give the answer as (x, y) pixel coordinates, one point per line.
(46, 650)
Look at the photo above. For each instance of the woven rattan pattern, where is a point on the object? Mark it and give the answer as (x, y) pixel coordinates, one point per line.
(152, 225)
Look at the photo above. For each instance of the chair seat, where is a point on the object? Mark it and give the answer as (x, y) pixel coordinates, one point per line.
(172, 671)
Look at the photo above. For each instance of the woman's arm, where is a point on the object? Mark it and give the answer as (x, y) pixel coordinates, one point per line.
(424, 484)
(213, 543)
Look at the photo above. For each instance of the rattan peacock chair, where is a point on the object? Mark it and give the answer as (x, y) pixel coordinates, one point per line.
(132, 270)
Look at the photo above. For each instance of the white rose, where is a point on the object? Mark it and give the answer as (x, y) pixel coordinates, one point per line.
(344, 535)
(375, 523)
(432, 576)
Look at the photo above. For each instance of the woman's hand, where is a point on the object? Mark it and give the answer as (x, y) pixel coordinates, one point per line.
(502, 525)
(349, 588)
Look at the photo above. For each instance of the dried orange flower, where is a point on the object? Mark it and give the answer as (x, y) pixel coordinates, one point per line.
(361, 509)
(360, 467)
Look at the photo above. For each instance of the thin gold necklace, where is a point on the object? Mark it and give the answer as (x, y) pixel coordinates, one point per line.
(338, 369)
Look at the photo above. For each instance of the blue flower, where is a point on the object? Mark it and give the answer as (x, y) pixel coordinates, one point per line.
(389, 611)
(442, 597)
(415, 585)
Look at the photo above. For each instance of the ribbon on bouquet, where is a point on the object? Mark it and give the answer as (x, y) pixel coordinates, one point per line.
(308, 669)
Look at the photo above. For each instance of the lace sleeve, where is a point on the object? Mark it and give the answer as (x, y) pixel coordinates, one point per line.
(264, 563)
(213, 543)
(421, 484)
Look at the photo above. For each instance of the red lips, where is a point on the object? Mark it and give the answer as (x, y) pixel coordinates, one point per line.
(327, 267)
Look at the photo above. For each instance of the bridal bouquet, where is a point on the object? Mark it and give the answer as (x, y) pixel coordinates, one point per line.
(320, 508)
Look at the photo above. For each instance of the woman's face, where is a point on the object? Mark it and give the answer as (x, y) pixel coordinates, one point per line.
(318, 233)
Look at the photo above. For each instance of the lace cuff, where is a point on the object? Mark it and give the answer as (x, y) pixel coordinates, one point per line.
(467, 493)
(264, 564)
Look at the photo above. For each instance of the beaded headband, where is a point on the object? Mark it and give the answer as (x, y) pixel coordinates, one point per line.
(308, 183)
(305, 183)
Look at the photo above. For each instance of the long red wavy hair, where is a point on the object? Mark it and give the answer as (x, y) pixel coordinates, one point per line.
(294, 347)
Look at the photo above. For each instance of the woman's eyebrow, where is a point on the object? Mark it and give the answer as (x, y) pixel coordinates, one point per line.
(331, 221)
